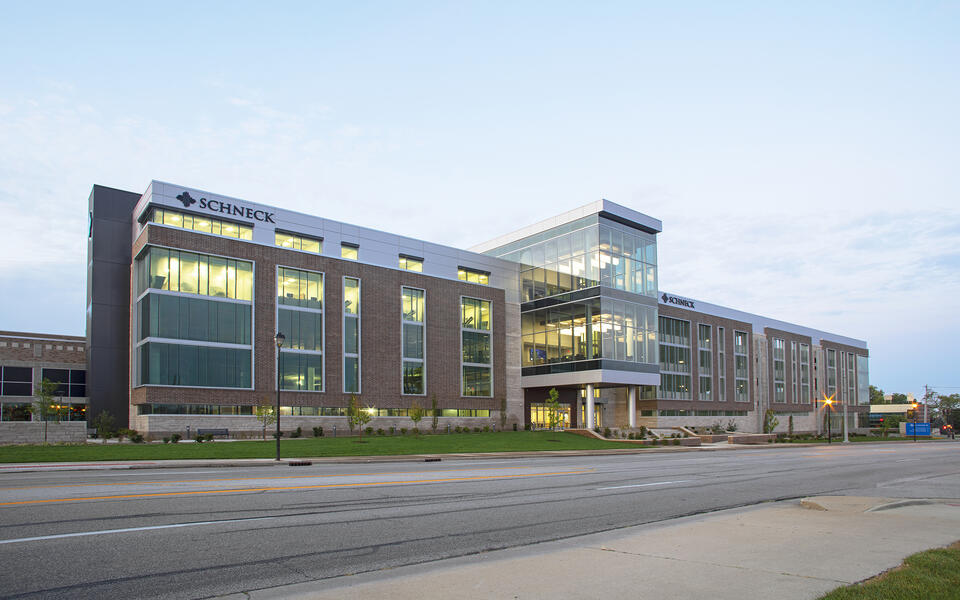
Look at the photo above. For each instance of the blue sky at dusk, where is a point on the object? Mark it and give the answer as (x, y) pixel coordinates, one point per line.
(803, 157)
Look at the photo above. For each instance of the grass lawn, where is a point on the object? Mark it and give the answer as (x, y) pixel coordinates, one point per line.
(930, 575)
(374, 445)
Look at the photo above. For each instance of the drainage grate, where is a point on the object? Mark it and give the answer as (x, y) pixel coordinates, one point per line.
(431, 460)
(299, 463)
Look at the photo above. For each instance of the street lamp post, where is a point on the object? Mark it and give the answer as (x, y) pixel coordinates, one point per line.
(913, 405)
(829, 403)
(279, 339)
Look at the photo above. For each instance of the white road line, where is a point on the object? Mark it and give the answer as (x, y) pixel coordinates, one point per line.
(619, 487)
(127, 530)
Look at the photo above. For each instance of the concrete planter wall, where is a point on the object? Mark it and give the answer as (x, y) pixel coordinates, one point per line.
(26, 432)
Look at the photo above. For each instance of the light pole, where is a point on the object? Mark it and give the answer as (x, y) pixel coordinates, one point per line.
(913, 405)
(279, 339)
(829, 403)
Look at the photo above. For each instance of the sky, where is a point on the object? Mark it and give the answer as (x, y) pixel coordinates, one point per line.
(803, 157)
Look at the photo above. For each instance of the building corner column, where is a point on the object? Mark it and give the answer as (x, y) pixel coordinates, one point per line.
(632, 405)
(591, 421)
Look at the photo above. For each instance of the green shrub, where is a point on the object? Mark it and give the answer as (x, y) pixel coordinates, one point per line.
(526, 426)
(198, 439)
(515, 427)
(403, 431)
(297, 433)
(136, 438)
(379, 431)
(318, 432)
(415, 431)
(456, 429)
(166, 440)
(369, 430)
(393, 431)
(606, 432)
(486, 429)
(175, 438)
(476, 430)
(277, 435)
(208, 437)
(676, 442)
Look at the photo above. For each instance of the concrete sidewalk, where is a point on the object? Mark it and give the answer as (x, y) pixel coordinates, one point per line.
(789, 550)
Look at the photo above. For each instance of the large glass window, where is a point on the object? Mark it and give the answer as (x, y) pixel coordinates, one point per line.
(831, 372)
(16, 381)
(705, 362)
(295, 241)
(805, 397)
(351, 335)
(863, 380)
(192, 273)
(741, 366)
(301, 371)
(299, 288)
(721, 366)
(674, 359)
(199, 366)
(174, 218)
(779, 371)
(71, 383)
(197, 319)
(476, 343)
(412, 331)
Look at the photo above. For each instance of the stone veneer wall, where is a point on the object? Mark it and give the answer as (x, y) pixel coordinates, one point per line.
(27, 432)
(157, 426)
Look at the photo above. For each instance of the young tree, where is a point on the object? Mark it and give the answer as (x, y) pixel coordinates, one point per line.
(104, 425)
(553, 408)
(265, 412)
(416, 414)
(357, 415)
(770, 421)
(45, 406)
(434, 412)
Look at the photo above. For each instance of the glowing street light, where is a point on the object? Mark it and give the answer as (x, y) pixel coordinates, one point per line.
(913, 405)
(829, 403)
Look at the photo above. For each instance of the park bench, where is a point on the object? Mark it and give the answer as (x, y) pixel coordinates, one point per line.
(214, 432)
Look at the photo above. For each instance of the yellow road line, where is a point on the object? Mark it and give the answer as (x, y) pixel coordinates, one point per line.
(287, 488)
(107, 483)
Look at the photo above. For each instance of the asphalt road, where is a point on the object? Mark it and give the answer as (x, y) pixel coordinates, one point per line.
(195, 533)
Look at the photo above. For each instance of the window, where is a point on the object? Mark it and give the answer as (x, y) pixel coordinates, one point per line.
(16, 381)
(740, 367)
(196, 366)
(349, 251)
(794, 373)
(476, 347)
(831, 372)
(72, 383)
(779, 371)
(473, 276)
(805, 397)
(674, 359)
(295, 241)
(705, 366)
(412, 340)
(191, 273)
(351, 335)
(193, 301)
(173, 218)
(300, 319)
(411, 263)
(721, 367)
(299, 288)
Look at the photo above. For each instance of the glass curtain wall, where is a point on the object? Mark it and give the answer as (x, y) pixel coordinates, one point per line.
(413, 321)
(585, 254)
(588, 330)
(193, 319)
